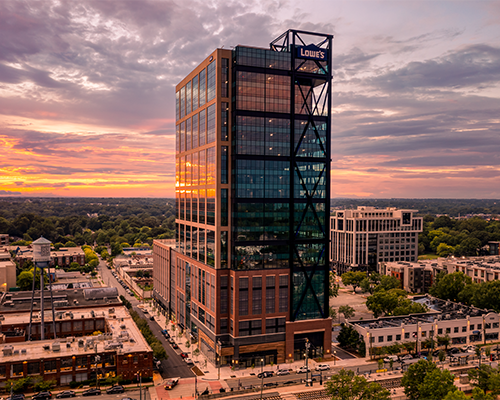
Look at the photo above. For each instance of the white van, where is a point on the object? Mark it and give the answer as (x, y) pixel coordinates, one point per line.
(388, 359)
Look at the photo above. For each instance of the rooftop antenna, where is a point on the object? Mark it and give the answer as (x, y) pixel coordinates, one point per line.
(41, 259)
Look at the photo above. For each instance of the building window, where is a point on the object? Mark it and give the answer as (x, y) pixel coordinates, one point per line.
(243, 298)
(283, 293)
(223, 325)
(455, 329)
(249, 328)
(66, 364)
(275, 325)
(224, 121)
(389, 338)
(211, 124)
(471, 327)
(50, 366)
(448, 330)
(398, 337)
(223, 294)
(464, 329)
(224, 77)
(33, 368)
(407, 335)
(380, 339)
(270, 295)
(203, 87)
(257, 295)
(211, 80)
(224, 165)
(440, 331)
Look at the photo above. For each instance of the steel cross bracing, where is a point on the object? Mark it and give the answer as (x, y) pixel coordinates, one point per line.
(310, 96)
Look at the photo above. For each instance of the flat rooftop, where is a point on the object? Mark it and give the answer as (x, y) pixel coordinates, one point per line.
(438, 309)
(14, 302)
(124, 338)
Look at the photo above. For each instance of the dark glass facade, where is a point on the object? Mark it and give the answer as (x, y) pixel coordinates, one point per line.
(280, 174)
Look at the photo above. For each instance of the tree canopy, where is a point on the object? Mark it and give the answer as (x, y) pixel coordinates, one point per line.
(346, 385)
(392, 302)
(352, 278)
(424, 380)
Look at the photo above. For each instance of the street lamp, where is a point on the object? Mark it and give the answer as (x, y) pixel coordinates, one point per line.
(261, 377)
(307, 357)
(334, 357)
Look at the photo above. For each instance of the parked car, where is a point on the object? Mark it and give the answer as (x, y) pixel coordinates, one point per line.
(266, 374)
(115, 389)
(175, 346)
(322, 367)
(389, 358)
(407, 357)
(152, 318)
(170, 384)
(42, 396)
(188, 361)
(303, 370)
(17, 396)
(171, 340)
(165, 333)
(454, 350)
(283, 372)
(91, 392)
(65, 394)
(184, 355)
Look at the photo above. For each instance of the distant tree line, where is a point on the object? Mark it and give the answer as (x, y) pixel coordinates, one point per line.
(81, 229)
(451, 207)
(11, 207)
(445, 236)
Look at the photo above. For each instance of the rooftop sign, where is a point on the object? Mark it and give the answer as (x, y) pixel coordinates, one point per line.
(312, 52)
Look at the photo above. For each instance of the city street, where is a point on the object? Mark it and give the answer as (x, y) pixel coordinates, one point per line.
(174, 366)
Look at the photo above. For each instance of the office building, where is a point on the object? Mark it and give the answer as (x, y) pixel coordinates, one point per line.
(367, 236)
(249, 272)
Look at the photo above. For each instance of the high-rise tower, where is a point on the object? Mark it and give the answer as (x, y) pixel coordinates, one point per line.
(249, 273)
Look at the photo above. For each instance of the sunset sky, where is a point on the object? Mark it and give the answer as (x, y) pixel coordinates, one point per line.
(87, 95)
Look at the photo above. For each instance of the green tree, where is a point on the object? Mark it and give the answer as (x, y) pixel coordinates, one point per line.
(139, 273)
(443, 341)
(423, 380)
(346, 385)
(444, 250)
(74, 266)
(349, 337)
(448, 286)
(366, 286)
(25, 280)
(487, 295)
(70, 244)
(147, 274)
(347, 311)
(332, 312)
(479, 394)
(480, 377)
(388, 282)
(353, 278)
(333, 290)
(456, 395)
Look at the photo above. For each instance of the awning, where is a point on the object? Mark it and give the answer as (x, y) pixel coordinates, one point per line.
(476, 332)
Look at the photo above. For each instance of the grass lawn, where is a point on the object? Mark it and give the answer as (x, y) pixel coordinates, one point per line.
(428, 257)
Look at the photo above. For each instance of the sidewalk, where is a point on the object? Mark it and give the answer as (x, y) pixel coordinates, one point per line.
(211, 372)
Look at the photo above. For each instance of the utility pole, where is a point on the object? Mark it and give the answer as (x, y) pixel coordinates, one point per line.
(219, 357)
(140, 386)
(261, 377)
(307, 357)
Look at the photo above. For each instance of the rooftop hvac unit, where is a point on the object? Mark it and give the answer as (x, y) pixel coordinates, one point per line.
(7, 350)
(2, 318)
(23, 351)
(56, 346)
